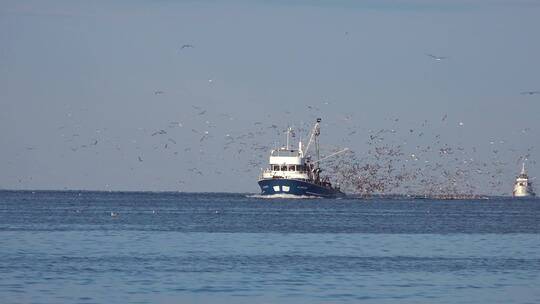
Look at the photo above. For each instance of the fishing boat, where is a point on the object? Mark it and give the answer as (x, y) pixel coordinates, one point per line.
(522, 185)
(295, 172)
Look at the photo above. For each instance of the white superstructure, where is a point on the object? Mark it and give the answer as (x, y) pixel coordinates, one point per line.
(286, 162)
(522, 186)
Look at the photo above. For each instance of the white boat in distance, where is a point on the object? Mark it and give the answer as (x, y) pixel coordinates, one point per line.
(522, 185)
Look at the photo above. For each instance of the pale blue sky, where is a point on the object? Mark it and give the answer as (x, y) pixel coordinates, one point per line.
(72, 72)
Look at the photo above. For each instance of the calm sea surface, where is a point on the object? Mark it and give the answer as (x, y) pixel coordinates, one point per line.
(64, 247)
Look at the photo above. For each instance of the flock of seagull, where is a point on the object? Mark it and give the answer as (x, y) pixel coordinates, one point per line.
(404, 164)
(398, 159)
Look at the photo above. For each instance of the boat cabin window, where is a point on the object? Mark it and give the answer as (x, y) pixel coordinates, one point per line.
(283, 168)
(275, 168)
(299, 168)
(291, 167)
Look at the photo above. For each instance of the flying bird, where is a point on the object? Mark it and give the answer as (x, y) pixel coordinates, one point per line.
(159, 132)
(437, 58)
(186, 46)
(530, 92)
(204, 136)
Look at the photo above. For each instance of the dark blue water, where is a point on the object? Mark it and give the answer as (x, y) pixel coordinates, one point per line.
(64, 247)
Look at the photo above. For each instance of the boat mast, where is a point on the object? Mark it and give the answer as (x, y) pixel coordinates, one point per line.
(315, 132)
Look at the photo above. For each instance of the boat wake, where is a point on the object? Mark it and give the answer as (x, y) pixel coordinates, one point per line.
(282, 195)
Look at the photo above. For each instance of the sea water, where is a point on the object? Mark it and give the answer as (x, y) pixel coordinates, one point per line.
(65, 247)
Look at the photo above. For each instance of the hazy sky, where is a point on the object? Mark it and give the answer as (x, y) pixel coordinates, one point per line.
(76, 72)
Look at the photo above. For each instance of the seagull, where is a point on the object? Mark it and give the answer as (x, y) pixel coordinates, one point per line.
(204, 136)
(173, 124)
(114, 214)
(140, 159)
(158, 92)
(437, 58)
(186, 46)
(194, 170)
(530, 92)
(159, 132)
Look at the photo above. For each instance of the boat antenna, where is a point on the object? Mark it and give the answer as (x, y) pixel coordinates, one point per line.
(288, 132)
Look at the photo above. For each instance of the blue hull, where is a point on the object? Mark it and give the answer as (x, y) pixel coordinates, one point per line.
(296, 187)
